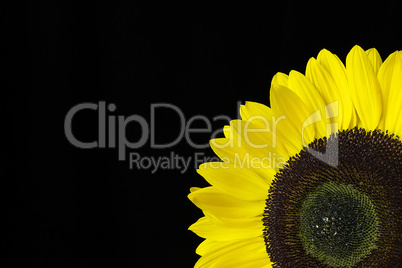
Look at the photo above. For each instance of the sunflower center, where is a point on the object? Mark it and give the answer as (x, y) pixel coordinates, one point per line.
(338, 224)
(346, 215)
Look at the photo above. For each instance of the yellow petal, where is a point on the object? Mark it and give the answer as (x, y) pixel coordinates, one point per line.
(308, 93)
(194, 189)
(303, 88)
(206, 246)
(244, 253)
(390, 79)
(280, 79)
(364, 88)
(256, 112)
(374, 58)
(323, 81)
(294, 116)
(335, 68)
(224, 149)
(218, 203)
(257, 140)
(251, 142)
(240, 182)
(329, 91)
(228, 229)
(226, 131)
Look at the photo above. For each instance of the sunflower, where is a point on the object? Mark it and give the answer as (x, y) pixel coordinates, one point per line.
(314, 180)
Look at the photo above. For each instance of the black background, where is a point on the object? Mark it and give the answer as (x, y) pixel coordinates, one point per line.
(70, 207)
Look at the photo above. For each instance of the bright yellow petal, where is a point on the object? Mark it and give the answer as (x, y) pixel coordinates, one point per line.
(390, 79)
(226, 131)
(257, 116)
(206, 246)
(364, 88)
(280, 79)
(251, 142)
(335, 68)
(245, 253)
(323, 81)
(257, 112)
(228, 229)
(329, 91)
(218, 203)
(257, 140)
(309, 94)
(294, 127)
(194, 189)
(306, 91)
(224, 149)
(240, 182)
(374, 58)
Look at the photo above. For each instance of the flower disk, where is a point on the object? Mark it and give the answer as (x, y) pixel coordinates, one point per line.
(348, 215)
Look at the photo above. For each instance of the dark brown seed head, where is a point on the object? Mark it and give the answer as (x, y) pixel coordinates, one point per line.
(346, 215)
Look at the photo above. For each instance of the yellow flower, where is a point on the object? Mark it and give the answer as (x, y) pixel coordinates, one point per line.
(314, 180)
